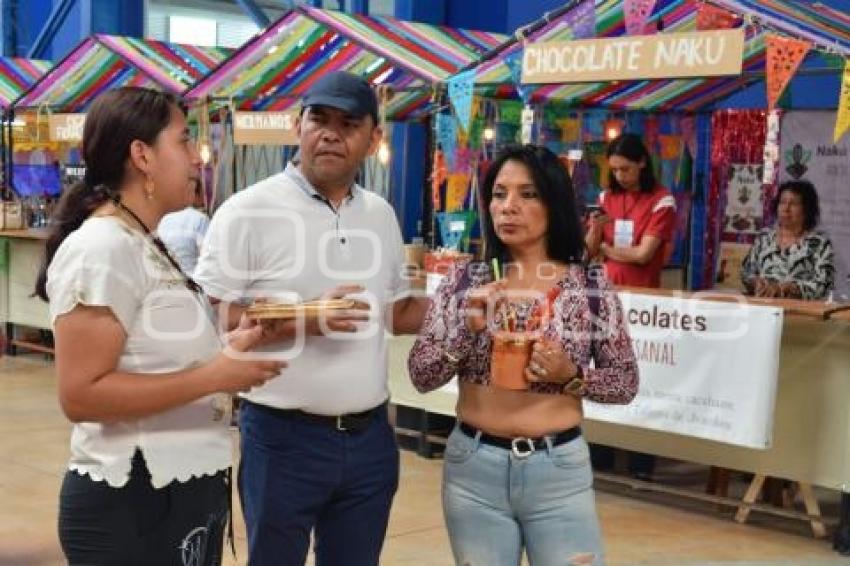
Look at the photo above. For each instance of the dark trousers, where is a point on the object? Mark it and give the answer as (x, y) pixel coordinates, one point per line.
(181, 524)
(298, 476)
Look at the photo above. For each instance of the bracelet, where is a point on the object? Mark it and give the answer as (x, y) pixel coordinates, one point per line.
(575, 386)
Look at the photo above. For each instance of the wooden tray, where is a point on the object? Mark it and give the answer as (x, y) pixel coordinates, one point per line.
(311, 309)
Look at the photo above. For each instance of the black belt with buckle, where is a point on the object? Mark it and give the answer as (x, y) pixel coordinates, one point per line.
(522, 446)
(350, 422)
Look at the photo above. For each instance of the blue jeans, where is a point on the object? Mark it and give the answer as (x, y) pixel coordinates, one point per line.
(497, 504)
(296, 476)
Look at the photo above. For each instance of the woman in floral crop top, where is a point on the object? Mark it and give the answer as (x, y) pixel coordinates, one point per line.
(517, 473)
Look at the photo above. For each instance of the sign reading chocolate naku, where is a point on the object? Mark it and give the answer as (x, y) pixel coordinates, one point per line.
(265, 128)
(660, 56)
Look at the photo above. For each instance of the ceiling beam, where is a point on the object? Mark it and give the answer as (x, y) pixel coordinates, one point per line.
(51, 27)
(255, 13)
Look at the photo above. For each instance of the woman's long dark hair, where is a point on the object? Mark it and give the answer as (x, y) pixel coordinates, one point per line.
(630, 146)
(115, 119)
(565, 236)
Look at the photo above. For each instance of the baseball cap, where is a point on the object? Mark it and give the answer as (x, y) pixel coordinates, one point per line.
(343, 91)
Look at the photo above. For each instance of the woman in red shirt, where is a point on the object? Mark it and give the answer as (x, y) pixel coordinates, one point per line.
(634, 229)
(633, 232)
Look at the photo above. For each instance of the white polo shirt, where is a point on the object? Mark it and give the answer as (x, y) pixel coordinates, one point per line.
(280, 240)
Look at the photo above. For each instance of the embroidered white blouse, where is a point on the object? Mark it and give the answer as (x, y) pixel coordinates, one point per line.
(168, 328)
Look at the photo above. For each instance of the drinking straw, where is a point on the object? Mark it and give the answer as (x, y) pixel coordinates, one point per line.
(496, 275)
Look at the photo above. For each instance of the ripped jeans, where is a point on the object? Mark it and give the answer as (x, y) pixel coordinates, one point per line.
(496, 504)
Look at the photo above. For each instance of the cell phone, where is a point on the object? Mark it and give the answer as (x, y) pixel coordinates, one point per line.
(591, 209)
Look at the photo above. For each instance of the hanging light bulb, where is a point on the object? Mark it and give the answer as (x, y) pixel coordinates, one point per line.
(489, 134)
(613, 128)
(384, 153)
(205, 153)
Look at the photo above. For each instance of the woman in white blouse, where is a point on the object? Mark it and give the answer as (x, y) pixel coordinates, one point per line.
(140, 365)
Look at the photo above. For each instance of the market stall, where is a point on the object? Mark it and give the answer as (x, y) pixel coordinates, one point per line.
(16, 75)
(45, 156)
(575, 112)
(254, 95)
(590, 70)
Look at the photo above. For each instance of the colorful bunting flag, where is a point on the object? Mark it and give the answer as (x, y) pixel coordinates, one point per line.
(842, 115)
(460, 95)
(712, 17)
(463, 160)
(784, 56)
(456, 191)
(687, 125)
(594, 126)
(671, 146)
(570, 129)
(514, 64)
(582, 19)
(447, 136)
(637, 13)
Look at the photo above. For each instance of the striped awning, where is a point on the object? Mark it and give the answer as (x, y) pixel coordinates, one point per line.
(822, 25)
(272, 70)
(104, 62)
(17, 75)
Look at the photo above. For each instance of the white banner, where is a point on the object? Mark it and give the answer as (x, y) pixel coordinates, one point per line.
(809, 153)
(708, 369)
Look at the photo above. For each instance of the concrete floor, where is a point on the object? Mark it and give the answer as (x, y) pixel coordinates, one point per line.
(640, 528)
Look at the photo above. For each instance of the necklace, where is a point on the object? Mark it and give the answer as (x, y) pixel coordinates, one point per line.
(161, 247)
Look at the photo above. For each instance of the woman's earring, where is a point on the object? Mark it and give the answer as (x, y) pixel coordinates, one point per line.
(149, 188)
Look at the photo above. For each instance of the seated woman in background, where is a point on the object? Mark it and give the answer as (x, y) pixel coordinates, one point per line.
(517, 471)
(793, 259)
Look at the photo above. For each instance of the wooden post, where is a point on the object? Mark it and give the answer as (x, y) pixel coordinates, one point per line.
(749, 498)
(812, 508)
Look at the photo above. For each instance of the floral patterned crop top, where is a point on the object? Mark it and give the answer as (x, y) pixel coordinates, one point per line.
(446, 347)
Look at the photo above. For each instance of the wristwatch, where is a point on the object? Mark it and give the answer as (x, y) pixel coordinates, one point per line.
(575, 386)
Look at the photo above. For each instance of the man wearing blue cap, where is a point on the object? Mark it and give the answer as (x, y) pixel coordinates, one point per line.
(318, 453)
